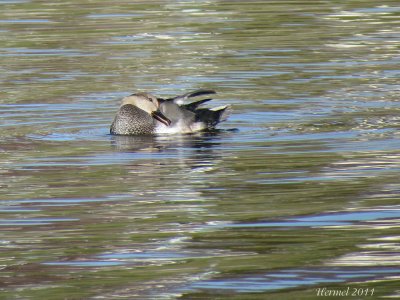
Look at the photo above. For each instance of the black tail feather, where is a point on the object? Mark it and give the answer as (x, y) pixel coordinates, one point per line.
(194, 105)
(199, 93)
(213, 117)
(191, 95)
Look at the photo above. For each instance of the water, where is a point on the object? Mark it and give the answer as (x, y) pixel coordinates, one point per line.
(296, 192)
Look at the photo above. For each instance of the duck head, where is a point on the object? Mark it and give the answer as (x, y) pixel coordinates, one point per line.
(149, 104)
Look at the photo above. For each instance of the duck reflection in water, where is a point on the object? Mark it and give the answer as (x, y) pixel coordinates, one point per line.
(153, 144)
(183, 154)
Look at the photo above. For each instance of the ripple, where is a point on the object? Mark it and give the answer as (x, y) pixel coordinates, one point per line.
(13, 1)
(142, 258)
(84, 263)
(66, 201)
(34, 221)
(289, 279)
(15, 52)
(25, 21)
(113, 16)
(328, 219)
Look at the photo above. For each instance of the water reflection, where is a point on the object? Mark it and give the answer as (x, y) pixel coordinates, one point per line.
(352, 219)
(304, 194)
(291, 278)
(34, 221)
(200, 141)
(163, 255)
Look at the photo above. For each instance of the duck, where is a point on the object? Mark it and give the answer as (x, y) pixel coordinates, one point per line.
(145, 114)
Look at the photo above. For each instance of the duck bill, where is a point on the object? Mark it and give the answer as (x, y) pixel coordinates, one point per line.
(160, 117)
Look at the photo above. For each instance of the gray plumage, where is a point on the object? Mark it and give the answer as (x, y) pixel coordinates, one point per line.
(142, 114)
(131, 120)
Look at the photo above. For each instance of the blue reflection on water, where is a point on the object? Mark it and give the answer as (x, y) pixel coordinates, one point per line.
(143, 255)
(84, 263)
(34, 221)
(290, 278)
(328, 219)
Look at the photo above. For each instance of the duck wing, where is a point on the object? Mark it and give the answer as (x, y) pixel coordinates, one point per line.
(180, 99)
(195, 105)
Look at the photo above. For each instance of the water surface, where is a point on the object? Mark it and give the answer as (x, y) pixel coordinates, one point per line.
(297, 191)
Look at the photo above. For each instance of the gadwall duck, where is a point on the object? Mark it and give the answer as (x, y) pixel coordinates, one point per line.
(145, 114)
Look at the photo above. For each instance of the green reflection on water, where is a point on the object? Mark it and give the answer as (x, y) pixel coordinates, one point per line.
(314, 90)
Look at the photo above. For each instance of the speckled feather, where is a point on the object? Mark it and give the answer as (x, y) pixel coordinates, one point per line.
(131, 120)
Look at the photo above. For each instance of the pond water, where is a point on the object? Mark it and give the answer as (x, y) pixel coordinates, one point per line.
(297, 192)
